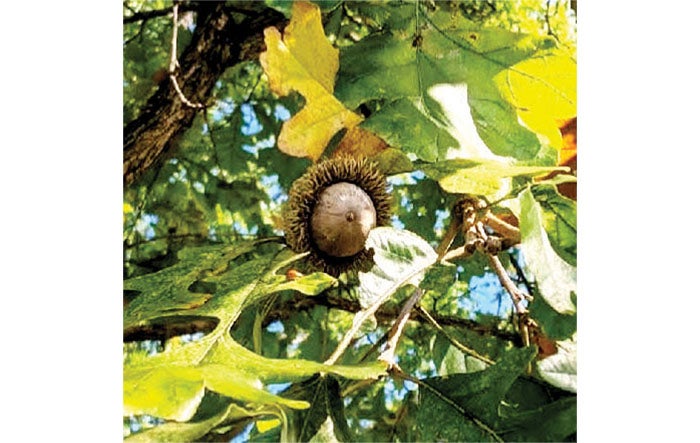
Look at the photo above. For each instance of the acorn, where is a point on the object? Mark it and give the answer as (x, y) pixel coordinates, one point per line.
(331, 210)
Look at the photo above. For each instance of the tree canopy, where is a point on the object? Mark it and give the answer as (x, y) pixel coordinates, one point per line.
(463, 325)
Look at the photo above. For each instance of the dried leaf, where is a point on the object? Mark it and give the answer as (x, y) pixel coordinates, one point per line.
(358, 142)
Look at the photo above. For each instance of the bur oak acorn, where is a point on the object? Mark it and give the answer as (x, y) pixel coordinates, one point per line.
(331, 210)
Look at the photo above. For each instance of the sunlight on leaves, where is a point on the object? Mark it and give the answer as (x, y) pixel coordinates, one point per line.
(556, 279)
(560, 369)
(400, 257)
(480, 176)
(543, 91)
(311, 284)
(175, 431)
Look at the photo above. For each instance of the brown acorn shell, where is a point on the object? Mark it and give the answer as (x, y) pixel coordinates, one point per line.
(303, 196)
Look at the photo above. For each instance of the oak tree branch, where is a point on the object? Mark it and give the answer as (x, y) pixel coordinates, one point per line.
(218, 42)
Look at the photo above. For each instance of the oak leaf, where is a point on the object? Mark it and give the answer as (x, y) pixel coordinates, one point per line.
(304, 61)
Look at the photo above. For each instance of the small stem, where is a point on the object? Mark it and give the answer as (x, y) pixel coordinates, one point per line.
(455, 253)
(507, 283)
(502, 227)
(395, 332)
(423, 312)
(448, 238)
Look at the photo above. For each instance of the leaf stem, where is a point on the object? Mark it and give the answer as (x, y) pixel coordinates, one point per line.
(515, 294)
(395, 332)
(448, 238)
(425, 314)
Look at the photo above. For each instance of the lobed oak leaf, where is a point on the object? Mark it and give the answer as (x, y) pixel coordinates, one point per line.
(304, 61)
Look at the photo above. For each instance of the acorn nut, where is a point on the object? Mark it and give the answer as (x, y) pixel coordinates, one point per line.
(341, 220)
(331, 210)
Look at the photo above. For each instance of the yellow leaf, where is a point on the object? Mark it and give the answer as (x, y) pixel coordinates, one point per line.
(543, 91)
(306, 62)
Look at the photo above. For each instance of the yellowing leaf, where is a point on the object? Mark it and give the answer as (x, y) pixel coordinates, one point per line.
(171, 392)
(543, 91)
(306, 62)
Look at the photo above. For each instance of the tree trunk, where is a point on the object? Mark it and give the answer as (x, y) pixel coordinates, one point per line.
(217, 44)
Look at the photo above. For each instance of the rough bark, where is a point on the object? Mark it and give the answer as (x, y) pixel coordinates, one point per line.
(217, 44)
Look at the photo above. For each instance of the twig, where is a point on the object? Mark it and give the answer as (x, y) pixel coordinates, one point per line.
(138, 34)
(448, 238)
(524, 321)
(521, 274)
(301, 303)
(455, 253)
(502, 227)
(546, 19)
(363, 315)
(425, 314)
(515, 294)
(395, 332)
(174, 65)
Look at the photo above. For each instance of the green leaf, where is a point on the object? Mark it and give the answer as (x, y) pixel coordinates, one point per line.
(559, 217)
(393, 161)
(556, 279)
(449, 50)
(480, 176)
(311, 284)
(326, 433)
(326, 411)
(555, 421)
(171, 384)
(556, 326)
(401, 124)
(174, 431)
(464, 407)
(399, 258)
(171, 392)
(453, 362)
(166, 292)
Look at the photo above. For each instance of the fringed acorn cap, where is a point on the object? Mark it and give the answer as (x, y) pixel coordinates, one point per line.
(332, 208)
